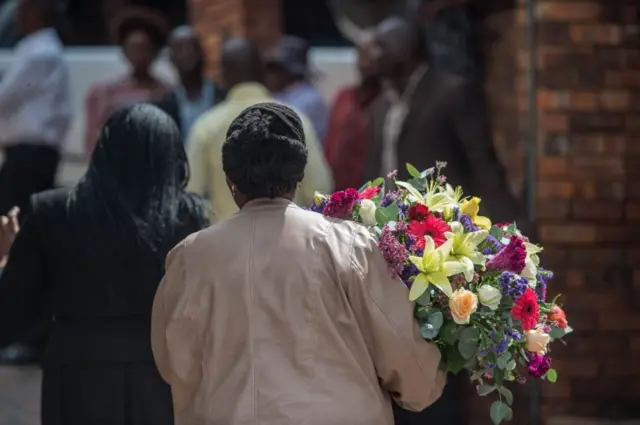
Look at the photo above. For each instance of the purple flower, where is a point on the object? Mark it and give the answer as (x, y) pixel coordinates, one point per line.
(318, 207)
(538, 365)
(492, 246)
(389, 198)
(393, 251)
(404, 210)
(542, 278)
(513, 285)
(467, 223)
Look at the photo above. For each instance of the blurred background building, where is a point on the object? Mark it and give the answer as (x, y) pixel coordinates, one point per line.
(563, 82)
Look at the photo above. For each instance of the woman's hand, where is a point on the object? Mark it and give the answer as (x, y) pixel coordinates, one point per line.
(9, 228)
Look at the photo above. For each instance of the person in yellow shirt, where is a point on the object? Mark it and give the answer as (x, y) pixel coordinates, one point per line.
(243, 72)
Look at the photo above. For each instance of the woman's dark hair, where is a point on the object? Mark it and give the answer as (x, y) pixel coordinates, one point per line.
(142, 19)
(131, 207)
(265, 153)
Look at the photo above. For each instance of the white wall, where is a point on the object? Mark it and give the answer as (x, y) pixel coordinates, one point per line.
(88, 65)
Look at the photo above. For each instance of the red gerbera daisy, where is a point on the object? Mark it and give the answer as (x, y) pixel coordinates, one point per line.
(431, 226)
(370, 192)
(527, 310)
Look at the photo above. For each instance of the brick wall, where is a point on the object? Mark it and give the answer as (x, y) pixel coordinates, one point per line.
(589, 196)
(215, 20)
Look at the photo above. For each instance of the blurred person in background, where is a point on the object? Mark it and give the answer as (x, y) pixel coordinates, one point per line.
(117, 226)
(289, 79)
(141, 33)
(243, 74)
(286, 304)
(35, 115)
(194, 94)
(345, 143)
(427, 116)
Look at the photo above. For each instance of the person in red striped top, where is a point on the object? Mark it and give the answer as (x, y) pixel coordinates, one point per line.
(141, 33)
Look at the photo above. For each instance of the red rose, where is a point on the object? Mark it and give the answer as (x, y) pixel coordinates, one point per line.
(418, 212)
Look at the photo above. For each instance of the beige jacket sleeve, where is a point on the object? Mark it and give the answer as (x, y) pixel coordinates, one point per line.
(407, 365)
(317, 174)
(176, 321)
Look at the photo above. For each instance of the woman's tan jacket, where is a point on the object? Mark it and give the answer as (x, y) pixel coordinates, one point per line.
(280, 316)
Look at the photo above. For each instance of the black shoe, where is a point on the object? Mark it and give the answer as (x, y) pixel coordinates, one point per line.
(19, 355)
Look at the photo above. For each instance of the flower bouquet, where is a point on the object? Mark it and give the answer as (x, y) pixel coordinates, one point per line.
(479, 290)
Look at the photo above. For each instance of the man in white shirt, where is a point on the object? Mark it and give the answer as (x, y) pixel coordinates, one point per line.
(35, 113)
(35, 107)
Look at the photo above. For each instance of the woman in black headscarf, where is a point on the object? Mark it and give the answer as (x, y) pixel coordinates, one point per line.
(93, 256)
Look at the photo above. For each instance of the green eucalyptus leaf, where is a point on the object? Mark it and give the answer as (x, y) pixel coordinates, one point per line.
(468, 344)
(500, 412)
(507, 394)
(556, 333)
(382, 217)
(431, 327)
(425, 298)
(392, 212)
(552, 375)
(503, 360)
(496, 232)
(378, 181)
(485, 389)
(498, 376)
(511, 365)
(512, 228)
(449, 333)
(413, 171)
(455, 362)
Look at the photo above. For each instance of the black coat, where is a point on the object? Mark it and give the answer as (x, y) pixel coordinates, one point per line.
(169, 104)
(98, 367)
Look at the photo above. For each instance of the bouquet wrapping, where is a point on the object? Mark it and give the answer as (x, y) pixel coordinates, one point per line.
(480, 292)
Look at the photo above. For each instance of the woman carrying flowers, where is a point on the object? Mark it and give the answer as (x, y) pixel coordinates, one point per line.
(280, 315)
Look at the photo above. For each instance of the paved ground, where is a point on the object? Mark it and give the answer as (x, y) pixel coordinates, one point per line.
(19, 396)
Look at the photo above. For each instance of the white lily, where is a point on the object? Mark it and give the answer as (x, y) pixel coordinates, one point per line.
(465, 247)
(434, 269)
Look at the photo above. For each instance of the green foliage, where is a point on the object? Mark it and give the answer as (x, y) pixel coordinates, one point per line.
(499, 412)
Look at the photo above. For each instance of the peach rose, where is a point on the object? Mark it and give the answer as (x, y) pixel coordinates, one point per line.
(558, 316)
(537, 341)
(463, 303)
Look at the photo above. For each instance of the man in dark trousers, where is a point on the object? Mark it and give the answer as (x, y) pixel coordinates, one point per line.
(35, 114)
(427, 116)
(194, 95)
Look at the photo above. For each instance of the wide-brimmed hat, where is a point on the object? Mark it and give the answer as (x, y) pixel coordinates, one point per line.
(291, 54)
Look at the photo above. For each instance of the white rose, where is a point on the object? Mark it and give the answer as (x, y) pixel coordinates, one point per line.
(537, 341)
(489, 296)
(368, 212)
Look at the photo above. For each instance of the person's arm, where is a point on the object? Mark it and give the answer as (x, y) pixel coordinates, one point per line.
(317, 174)
(23, 283)
(407, 365)
(472, 128)
(333, 130)
(197, 153)
(31, 76)
(176, 321)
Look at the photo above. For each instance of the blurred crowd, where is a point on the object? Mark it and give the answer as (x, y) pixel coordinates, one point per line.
(401, 110)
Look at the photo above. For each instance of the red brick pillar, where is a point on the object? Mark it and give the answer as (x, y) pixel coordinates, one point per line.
(216, 19)
(589, 196)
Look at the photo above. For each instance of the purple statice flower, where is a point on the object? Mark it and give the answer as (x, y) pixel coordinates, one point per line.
(404, 211)
(389, 198)
(318, 206)
(502, 346)
(393, 251)
(513, 285)
(408, 272)
(492, 246)
(467, 223)
(542, 278)
(392, 174)
(538, 365)
(513, 334)
(401, 227)
(489, 366)
(456, 214)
